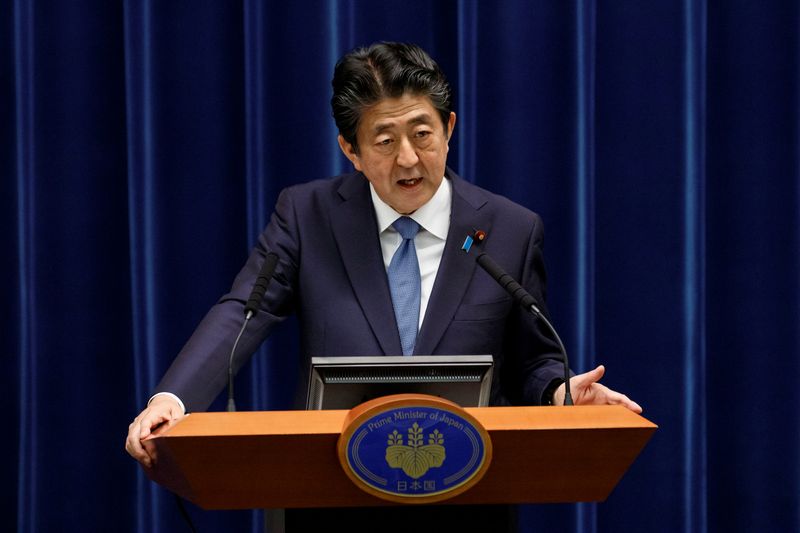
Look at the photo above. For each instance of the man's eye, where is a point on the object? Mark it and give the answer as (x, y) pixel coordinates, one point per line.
(384, 142)
(423, 133)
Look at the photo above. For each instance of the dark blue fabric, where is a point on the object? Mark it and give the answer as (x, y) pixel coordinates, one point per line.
(143, 144)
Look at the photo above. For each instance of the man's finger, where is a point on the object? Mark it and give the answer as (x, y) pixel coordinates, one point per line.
(618, 398)
(153, 419)
(630, 404)
(161, 412)
(134, 447)
(598, 373)
(587, 378)
(147, 424)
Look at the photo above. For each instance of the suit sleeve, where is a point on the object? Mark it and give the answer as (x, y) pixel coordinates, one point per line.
(537, 360)
(200, 371)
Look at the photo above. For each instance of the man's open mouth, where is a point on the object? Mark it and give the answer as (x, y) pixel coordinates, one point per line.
(409, 182)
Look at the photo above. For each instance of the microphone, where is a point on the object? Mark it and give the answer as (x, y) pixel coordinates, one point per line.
(250, 310)
(260, 286)
(523, 298)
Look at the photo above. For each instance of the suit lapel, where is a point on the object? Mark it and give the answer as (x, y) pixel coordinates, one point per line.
(456, 268)
(354, 228)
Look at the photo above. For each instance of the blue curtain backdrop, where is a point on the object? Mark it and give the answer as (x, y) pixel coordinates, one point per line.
(143, 143)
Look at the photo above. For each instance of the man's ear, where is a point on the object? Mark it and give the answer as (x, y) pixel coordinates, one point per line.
(451, 124)
(349, 152)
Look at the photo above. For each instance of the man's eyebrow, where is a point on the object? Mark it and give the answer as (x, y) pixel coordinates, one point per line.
(422, 118)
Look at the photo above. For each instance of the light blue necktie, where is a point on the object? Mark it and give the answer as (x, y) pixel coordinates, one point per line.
(404, 283)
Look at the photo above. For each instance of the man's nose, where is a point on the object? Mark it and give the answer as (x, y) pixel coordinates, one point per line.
(406, 155)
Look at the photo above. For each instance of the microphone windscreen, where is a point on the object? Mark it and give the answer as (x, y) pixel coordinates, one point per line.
(520, 295)
(261, 284)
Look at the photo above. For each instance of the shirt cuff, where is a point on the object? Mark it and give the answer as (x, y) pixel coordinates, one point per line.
(156, 395)
(549, 392)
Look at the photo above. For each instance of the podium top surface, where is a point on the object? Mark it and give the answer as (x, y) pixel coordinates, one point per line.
(330, 422)
(275, 459)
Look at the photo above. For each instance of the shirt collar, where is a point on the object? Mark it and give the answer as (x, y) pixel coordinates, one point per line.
(433, 216)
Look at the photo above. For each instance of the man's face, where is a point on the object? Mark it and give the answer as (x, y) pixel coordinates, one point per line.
(402, 150)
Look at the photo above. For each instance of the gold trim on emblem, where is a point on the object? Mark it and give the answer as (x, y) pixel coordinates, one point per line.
(414, 452)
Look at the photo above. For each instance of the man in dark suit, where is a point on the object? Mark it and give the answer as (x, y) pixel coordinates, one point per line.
(339, 244)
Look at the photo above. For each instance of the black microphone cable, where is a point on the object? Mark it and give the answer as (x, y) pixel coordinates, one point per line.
(250, 310)
(528, 302)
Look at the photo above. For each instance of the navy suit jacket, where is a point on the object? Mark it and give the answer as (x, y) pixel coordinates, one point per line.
(331, 274)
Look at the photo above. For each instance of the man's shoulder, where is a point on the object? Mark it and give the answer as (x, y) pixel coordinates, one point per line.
(324, 193)
(481, 198)
(341, 185)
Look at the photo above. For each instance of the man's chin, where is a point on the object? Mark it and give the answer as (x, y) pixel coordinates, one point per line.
(410, 201)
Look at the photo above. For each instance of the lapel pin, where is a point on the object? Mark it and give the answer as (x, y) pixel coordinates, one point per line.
(476, 235)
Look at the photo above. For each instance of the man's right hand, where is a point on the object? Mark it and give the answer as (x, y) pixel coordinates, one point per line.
(162, 411)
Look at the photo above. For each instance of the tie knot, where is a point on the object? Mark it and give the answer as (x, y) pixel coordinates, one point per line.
(406, 227)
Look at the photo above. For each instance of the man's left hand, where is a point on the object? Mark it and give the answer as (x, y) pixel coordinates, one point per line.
(586, 390)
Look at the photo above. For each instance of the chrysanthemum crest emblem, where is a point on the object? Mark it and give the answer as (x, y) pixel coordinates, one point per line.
(415, 458)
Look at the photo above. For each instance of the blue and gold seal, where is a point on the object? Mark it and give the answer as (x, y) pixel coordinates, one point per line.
(413, 448)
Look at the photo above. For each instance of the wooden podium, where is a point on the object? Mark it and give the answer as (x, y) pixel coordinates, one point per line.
(288, 459)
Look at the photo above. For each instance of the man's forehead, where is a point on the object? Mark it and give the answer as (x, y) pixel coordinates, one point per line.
(391, 112)
(423, 117)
